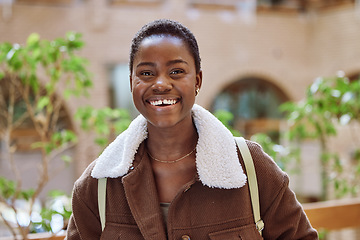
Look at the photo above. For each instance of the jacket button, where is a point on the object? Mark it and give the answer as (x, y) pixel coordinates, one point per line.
(185, 237)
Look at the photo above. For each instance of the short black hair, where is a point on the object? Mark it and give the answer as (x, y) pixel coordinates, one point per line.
(166, 27)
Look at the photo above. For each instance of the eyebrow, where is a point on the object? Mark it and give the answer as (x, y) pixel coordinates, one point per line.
(176, 61)
(171, 62)
(146, 64)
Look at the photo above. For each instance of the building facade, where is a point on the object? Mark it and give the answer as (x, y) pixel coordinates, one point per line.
(278, 47)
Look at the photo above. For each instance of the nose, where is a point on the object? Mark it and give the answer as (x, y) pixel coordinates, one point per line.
(162, 84)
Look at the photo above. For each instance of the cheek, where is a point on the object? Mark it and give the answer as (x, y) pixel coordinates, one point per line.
(136, 93)
(134, 81)
(137, 99)
(137, 84)
(189, 89)
(139, 89)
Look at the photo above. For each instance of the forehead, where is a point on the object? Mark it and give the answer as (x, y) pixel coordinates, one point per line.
(162, 39)
(159, 46)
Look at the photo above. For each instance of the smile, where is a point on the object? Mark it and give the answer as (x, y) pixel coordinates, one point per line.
(163, 102)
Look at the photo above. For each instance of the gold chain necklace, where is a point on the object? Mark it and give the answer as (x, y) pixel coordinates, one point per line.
(173, 161)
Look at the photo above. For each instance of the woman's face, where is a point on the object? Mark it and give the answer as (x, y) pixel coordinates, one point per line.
(164, 81)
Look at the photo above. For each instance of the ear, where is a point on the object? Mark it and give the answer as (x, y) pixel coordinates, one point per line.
(198, 79)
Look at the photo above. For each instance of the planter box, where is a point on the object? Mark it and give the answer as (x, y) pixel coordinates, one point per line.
(335, 214)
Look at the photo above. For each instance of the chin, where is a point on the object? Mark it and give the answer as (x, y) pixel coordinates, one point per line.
(162, 123)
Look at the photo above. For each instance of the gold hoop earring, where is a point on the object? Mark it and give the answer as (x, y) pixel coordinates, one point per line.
(197, 90)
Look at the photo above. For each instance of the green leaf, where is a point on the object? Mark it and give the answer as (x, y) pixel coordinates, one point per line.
(49, 147)
(33, 81)
(33, 39)
(69, 136)
(43, 102)
(226, 118)
(14, 58)
(322, 233)
(102, 128)
(67, 94)
(87, 83)
(101, 141)
(7, 187)
(4, 50)
(66, 158)
(27, 195)
(56, 193)
(121, 125)
(74, 41)
(37, 54)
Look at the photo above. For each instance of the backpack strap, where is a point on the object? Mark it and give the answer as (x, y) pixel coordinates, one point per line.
(253, 186)
(102, 201)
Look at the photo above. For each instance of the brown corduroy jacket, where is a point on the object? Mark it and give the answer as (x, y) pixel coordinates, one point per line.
(197, 212)
(214, 205)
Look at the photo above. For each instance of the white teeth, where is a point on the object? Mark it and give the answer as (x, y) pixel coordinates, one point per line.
(171, 102)
(156, 103)
(165, 101)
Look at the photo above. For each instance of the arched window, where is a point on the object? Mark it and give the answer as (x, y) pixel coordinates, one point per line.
(254, 103)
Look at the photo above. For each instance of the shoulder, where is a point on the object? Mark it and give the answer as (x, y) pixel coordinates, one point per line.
(265, 166)
(86, 185)
(272, 181)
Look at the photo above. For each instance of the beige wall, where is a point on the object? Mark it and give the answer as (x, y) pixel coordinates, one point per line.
(288, 49)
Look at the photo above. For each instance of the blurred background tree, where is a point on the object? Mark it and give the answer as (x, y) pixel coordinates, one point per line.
(330, 103)
(32, 77)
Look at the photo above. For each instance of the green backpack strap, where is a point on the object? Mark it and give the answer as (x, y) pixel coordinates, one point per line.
(102, 201)
(253, 186)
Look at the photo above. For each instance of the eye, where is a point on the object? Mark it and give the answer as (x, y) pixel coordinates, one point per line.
(176, 71)
(146, 73)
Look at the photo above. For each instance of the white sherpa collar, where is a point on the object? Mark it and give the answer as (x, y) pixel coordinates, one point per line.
(216, 157)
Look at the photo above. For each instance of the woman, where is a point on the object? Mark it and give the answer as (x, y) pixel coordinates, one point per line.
(176, 173)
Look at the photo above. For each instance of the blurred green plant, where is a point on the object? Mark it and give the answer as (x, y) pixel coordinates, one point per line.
(286, 157)
(58, 205)
(8, 189)
(107, 123)
(226, 118)
(322, 233)
(329, 103)
(282, 155)
(30, 77)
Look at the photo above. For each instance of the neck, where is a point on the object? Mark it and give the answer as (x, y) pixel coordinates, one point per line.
(170, 144)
